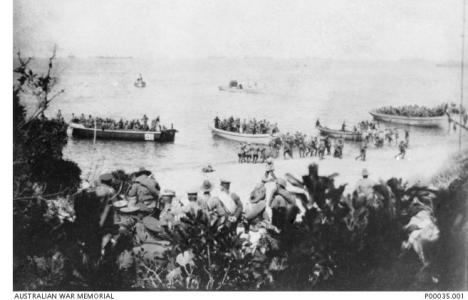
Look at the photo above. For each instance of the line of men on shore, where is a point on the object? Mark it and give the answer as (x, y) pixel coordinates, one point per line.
(251, 153)
(108, 123)
(311, 146)
(321, 146)
(252, 126)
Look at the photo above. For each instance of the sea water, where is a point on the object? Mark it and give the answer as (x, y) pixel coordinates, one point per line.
(184, 92)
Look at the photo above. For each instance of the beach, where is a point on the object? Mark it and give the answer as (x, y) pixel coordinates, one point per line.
(420, 164)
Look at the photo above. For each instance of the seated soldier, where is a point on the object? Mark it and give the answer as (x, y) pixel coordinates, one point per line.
(104, 185)
(166, 214)
(145, 188)
(192, 203)
(365, 186)
(205, 189)
(283, 205)
(226, 204)
(256, 209)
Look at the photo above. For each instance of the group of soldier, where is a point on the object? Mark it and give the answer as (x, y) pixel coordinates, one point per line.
(312, 146)
(321, 146)
(251, 153)
(145, 214)
(143, 124)
(252, 126)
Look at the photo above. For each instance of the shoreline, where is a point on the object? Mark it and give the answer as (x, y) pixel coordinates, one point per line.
(420, 164)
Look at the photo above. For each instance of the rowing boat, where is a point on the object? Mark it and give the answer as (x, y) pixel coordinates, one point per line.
(80, 131)
(345, 134)
(236, 87)
(263, 139)
(413, 121)
(140, 84)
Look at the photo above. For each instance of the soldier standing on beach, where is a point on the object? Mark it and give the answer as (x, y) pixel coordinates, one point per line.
(287, 149)
(363, 152)
(270, 169)
(321, 149)
(328, 145)
(402, 148)
(406, 138)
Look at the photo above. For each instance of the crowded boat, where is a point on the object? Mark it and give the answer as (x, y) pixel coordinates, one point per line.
(245, 126)
(143, 124)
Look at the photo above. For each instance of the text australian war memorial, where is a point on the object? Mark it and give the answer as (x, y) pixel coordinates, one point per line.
(143, 172)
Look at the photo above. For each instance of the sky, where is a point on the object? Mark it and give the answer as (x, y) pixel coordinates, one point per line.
(336, 29)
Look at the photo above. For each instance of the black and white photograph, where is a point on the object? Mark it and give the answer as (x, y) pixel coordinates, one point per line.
(248, 145)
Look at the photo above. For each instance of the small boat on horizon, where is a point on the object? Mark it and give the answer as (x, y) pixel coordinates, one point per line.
(336, 133)
(163, 136)
(236, 87)
(438, 121)
(263, 139)
(140, 83)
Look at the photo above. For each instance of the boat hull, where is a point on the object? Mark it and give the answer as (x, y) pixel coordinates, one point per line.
(237, 90)
(347, 135)
(79, 131)
(412, 121)
(140, 84)
(263, 139)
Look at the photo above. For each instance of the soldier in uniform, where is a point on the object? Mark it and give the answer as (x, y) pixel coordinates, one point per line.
(321, 149)
(363, 152)
(256, 210)
(365, 186)
(145, 188)
(205, 190)
(402, 146)
(226, 203)
(283, 205)
(328, 145)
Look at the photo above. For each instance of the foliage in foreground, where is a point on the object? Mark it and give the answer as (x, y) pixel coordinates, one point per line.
(38, 164)
(39, 172)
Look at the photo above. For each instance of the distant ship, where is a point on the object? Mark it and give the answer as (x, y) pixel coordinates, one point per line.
(140, 83)
(236, 87)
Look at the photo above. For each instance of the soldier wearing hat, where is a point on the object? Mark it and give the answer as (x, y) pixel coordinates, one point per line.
(166, 214)
(402, 146)
(362, 151)
(365, 186)
(145, 188)
(321, 149)
(205, 190)
(256, 210)
(226, 203)
(270, 168)
(104, 185)
(283, 205)
(128, 213)
(192, 203)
